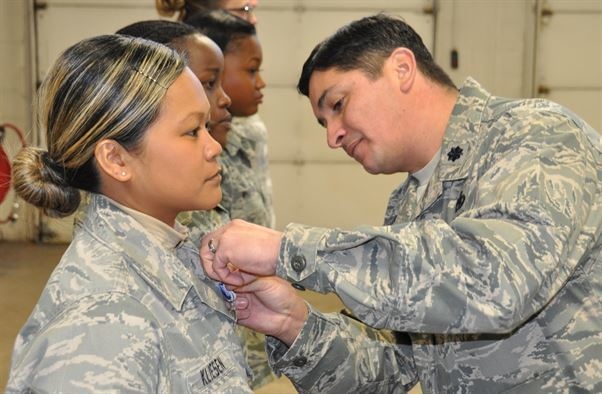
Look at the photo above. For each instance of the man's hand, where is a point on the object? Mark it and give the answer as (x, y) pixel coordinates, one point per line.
(237, 252)
(270, 305)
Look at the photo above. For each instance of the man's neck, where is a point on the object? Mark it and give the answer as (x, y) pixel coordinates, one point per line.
(433, 109)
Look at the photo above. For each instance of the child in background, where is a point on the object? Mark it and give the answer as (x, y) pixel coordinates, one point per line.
(244, 194)
(247, 195)
(250, 127)
(128, 308)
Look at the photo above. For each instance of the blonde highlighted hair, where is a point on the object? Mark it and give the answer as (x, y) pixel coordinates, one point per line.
(105, 87)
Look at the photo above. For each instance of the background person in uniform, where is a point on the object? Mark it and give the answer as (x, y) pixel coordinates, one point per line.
(206, 61)
(244, 194)
(128, 307)
(490, 254)
(185, 9)
(250, 128)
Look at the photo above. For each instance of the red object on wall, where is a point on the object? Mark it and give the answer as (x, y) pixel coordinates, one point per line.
(4, 174)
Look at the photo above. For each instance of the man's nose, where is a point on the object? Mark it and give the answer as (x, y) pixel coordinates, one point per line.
(335, 133)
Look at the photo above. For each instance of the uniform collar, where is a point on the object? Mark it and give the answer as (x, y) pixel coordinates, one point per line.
(238, 141)
(457, 148)
(168, 236)
(171, 271)
(424, 174)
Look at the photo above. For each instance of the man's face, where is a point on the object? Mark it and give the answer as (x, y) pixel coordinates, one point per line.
(362, 116)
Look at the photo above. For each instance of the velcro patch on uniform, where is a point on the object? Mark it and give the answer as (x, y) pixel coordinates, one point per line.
(212, 371)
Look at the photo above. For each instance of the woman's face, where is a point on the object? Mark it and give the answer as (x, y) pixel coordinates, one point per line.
(175, 168)
(207, 63)
(242, 81)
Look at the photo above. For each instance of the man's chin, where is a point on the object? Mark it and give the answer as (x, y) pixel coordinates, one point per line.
(370, 169)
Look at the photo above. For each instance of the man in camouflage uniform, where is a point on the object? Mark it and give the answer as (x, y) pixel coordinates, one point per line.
(489, 262)
(128, 309)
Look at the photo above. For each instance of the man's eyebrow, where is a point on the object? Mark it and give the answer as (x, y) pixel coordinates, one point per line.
(322, 98)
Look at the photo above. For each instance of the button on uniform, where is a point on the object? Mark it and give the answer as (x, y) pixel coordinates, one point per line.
(298, 263)
(300, 361)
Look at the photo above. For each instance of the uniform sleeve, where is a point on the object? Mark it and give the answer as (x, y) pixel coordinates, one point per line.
(337, 354)
(534, 215)
(103, 343)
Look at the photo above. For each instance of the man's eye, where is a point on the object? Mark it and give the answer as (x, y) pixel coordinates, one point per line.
(337, 106)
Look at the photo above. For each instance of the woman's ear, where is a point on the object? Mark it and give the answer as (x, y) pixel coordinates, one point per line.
(112, 160)
(403, 64)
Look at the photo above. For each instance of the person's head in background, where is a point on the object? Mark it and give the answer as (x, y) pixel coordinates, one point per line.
(126, 118)
(185, 9)
(205, 59)
(242, 58)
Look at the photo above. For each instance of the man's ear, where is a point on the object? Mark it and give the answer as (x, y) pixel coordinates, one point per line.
(403, 63)
(112, 159)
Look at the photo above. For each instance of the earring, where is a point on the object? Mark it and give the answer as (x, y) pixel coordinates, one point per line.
(122, 173)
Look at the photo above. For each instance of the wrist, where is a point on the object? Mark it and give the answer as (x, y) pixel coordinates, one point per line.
(278, 237)
(294, 324)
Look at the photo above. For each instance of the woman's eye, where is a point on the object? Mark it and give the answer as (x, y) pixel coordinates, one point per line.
(195, 132)
(209, 85)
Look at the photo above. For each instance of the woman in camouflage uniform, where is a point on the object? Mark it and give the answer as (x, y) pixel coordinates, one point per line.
(127, 308)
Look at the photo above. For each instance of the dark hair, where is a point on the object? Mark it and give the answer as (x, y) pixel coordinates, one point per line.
(222, 27)
(364, 45)
(164, 32)
(105, 87)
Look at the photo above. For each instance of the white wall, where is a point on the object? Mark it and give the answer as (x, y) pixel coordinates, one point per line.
(313, 184)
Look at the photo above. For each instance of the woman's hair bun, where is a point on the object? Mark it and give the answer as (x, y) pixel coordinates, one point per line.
(42, 182)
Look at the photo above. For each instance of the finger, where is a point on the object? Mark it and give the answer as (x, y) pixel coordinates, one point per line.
(242, 315)
(230, 278)
(241, 303)
(207, 262)
(257, 285)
